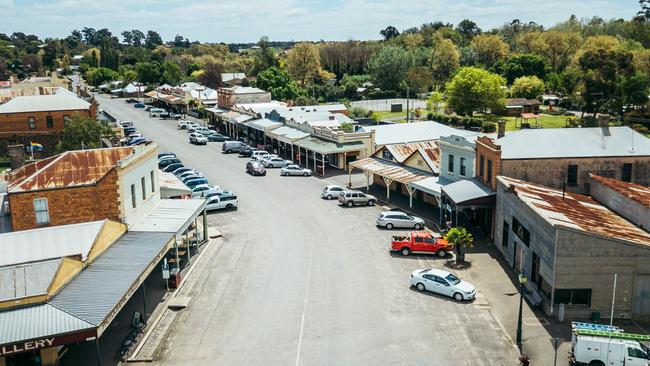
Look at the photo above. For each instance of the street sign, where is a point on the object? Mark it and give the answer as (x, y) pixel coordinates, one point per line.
(165, 270)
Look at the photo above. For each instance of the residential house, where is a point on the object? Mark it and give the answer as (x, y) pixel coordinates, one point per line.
(232, 78)
(518, 106)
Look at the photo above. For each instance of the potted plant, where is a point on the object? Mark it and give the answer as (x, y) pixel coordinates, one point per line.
(461, 239)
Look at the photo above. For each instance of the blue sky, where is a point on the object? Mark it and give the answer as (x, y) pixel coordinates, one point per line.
(247, 20)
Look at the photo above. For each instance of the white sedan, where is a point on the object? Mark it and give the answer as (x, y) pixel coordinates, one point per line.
(222, 202)
(295, 170)
(275, 162)
(203, 189)
(442, 282)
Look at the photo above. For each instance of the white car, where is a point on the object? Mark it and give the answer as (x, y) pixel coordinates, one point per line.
(295, 170)
(198, 129)
(185, 125)
(275, 162)
(396, 219)
(442, 282)
(221, 202)
(198, 139)
(265, 156)
(331, 191)
(258, 153)
(203, 189)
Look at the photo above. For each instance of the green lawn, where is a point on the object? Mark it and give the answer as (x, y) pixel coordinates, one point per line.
(545, 120)
(384, 115)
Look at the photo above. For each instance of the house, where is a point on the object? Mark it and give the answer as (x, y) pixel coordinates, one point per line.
(570, 246)
(232, 78)
(40, 119)
(131, 90)
(564, 157)
(120, 184)
(228, 97)
(518, 106)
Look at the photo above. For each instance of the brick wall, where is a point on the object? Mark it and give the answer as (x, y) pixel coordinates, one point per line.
(69, 205)
(490, 153)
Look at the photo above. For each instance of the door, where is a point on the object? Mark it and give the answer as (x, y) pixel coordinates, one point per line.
(430, 283)
(418, 244)
(641, 306)
(443, 286)
(635, 357)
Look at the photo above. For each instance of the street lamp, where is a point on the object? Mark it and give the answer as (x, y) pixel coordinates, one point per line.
(522, 284)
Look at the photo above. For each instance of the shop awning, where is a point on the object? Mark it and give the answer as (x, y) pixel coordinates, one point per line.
(216, 110)
(264, 124)
(328, 147)
(170, 216)
(469, 192)
(171, 186)
(390, 170)
(286, 134)
(431, 185)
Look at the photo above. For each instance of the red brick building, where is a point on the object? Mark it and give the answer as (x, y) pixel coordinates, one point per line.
(40, 118)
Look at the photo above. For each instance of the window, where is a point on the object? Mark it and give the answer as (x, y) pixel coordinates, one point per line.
(153, 185)
(133, 198)
(572, 176)
(49, 120)
(636, 353)
(462, 166)
(626, 174)
(418, 239)
(32, 123)
(573, 296)
(42, 211)
(441, 281)
(144, 189)
(482, 165)
(489, 171)
(506, 232)
(66, 118)
(450, 163)
(521, 231)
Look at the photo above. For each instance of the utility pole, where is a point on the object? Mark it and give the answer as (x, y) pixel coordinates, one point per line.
(407, 103)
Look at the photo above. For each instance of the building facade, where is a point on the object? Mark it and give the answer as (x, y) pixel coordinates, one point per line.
(228, 97)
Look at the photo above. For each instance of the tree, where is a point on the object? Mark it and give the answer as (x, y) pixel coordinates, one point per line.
(211, 74)
(522, 65)
(529, 87)
(489, 49)
(137, 38)
(50, 55)
(434, 102)
(460, 238)
(279, 83)
(303, 63)
(171, 73)
(99, 75)
(152, 40)
(634, 90)
(418, 78)
(148, 72)
(81, 132)
(602, 75)
(389, 66)
(127, 36)
(558, 48)
(644, 13)
(265, 57)
(444, 61)
(474, 89)
(389, 32)
(468, 29)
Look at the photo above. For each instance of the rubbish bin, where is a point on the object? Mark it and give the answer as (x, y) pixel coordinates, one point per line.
(174, 278)
(595, 316)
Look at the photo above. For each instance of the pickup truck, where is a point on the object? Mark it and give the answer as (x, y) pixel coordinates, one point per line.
(420, 242)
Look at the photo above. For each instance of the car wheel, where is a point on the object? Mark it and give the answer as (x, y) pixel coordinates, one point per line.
(458, 296)
(305, 174)
(371, 203)
(229, 151)
(405, 252)
(596, 363)
(389, 226)
(329, 196)
(441, 253)
(417, 227)
(229, 207)
(420, 286)
(350, 203)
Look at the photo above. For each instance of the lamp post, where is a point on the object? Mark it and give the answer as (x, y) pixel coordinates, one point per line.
(522, 283)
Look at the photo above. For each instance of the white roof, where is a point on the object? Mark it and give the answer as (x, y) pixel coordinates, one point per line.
(227, 76)
(171, 186)
(48, 243)
(574, 143)
(206, 94)
(263, 124)
(247, 90)
(400, 133)
(42, 103)
(134, 88)
(170, 216)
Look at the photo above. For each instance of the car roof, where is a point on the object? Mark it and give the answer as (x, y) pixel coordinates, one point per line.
(438, 272)
(333, 186)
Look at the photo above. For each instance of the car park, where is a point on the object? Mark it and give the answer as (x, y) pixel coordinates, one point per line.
(331, 191)
(219, 203)
(216, 137)
(353, 198)
(294, 169)
(247, 151)
(202, 189)
(171, 167)
(255, 168)
(198, 139)
(396, 219)
(138, 105)
(162, 163)
(442, 282)
(191, 183)
(276, 162)
(232, 146)
(422, 242)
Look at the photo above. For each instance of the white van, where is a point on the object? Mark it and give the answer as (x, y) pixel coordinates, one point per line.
(154, 112)
(601, 350)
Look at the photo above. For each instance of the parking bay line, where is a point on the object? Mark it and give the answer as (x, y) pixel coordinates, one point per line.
(304, 306)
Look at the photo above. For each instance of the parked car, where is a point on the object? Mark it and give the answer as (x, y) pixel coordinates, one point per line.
(125, 124)
(396, 219)
(255, 168)
(216, 137)
(442, 282)
(294, 170)
(182, 170)
(138, 105)
(129, 131)
(198, 139)
(165, 154)
(197, 129)
(218, 203)
(257, 153)
(168, 161)
(220, 194)
(135, 135)
(611, 347)
(153, 112)
(232, 146)
(276, 162)
(137, 141)
(420, 242)
(171, 167)
(191, 183)
(247, 151)
(353, 198)
(205, 132)
(131, 100)
(189, 175)
(175, 115)
(148, 107)
(184, 125)
(202, 189)
(164, 115)
(331, 191)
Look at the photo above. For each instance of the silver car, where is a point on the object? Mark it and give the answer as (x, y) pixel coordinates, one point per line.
(396, 219)
(353, 198)
(331, 191)
(275, 162)
(295, 170)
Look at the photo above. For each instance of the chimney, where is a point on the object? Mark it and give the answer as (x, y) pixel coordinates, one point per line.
(501, 128)
(603, 120)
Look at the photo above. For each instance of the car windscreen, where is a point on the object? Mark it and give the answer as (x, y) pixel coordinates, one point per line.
(452, 279)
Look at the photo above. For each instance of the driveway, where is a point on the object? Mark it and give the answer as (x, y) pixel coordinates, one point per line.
(303, 281)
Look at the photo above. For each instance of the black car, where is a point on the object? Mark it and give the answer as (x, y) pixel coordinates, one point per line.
(160, 155)
(247, 151)
(171, 167)
(216, 137)
(163, 163)
(131, 100)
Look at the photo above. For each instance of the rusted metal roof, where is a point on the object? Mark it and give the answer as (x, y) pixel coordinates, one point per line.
(401, 152)
(575, 211)
(633, 191)
(388, 169)
(69, 169)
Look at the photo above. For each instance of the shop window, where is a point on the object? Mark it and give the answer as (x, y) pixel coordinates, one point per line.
(626, 174)
(462, 167)
(580, 296)
(49, 121)
(489, 171)
(32, 123)
(572, 176)
(153, 184)
(481, 165)
(133, 198)
(521, 232)
(143, 184)
(41, 211)
(545, 288)
(450, 163)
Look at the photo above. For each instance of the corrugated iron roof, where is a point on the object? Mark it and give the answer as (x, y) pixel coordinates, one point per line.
(388, 169)
(633, 191)
(38, 321)
(575, 211)
(69, 169)
(45, 103)
(170, 216)
(26, 280)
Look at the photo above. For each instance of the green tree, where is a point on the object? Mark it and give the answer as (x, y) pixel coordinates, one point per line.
(522, 65)
(389, 67)
(603, 71)
(148, 72)
(152, 40)
(303, 63)
(389, 32)
(265, 57)
(489, 49)
(171, 73)
(461, 239)
(99, 75)
(634, 91)
(434, 102)
(529, 87)
(444, 62)
(81, 132)
(278, 81)
(474, 89)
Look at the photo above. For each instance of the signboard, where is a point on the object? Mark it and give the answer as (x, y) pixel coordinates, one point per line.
(45, 342)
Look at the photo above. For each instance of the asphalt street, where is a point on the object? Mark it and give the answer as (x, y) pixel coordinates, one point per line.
(300, 280)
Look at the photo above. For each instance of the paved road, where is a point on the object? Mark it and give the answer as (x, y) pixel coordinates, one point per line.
(302, 281)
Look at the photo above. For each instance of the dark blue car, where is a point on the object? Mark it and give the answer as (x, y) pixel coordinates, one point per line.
(138, 105)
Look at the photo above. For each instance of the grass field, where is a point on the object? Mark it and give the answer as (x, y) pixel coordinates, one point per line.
(545, 120)
(384, 115)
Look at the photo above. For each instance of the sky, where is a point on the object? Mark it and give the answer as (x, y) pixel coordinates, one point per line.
(234, 21)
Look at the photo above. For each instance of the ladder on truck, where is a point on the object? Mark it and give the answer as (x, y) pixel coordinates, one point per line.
(591, 326)
(614, 335)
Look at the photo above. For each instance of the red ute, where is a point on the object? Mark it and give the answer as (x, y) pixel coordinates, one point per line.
(420, 242)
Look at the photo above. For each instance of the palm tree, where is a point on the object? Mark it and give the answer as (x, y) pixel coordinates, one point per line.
(460, 238)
